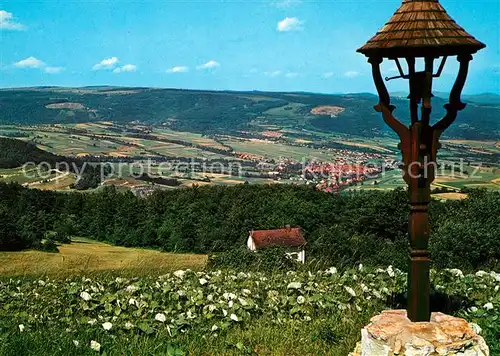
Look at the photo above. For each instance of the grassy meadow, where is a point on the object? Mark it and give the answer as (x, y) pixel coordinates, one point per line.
(229, 312)
(84, 257)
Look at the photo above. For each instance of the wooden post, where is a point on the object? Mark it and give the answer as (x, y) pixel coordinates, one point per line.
(419, 146)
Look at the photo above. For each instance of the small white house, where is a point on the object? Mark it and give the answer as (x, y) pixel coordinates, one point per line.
(288, 236)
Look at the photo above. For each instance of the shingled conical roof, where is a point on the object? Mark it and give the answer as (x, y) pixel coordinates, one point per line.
(420, 28)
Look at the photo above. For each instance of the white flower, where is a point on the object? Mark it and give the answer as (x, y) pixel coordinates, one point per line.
(228, 296)
(230, 304)
(21, 327)
(131, 288)
(360, 267)
(307, 318)
(234, 317)
(203, 281)
(246, 292)
(488, 306)
(294, 285)
(179, 274)
(390, 271)
(94, 345)
(224, 311)
(132, 301)
(473, 309)
(350, 291)
(456, 272)
(85, 296)
(481, 273)
(76, 343)
(301, 299)
(107, 325)
(477, 329)
(92, 322)
(331, 271)
(160, 317)
(128, 325)
(214, 327)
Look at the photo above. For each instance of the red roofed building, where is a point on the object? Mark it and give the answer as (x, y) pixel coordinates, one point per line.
(288, 236)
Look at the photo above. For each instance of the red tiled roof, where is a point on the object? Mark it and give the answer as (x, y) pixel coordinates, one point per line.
(278, 237)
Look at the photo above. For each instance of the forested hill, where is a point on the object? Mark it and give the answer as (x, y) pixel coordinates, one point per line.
(15, 153)
(231, 112)
(344, 230)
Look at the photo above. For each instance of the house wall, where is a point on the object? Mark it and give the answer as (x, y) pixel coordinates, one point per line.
(299, 256)
(302, 256)
(251, 244)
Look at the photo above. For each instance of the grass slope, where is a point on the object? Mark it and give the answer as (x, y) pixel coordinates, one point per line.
(84, 257)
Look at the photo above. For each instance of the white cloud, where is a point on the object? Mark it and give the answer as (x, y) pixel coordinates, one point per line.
(125, 68)
(178, 69)
(107, 63)
(53, 70)
(291, 75)
(286, 3)
(290, 24)
(7, 23)
(276, 73)
(30, 62)
(328, 75)
(351, 74)
(209, 65)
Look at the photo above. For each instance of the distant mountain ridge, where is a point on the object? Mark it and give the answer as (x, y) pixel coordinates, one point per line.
(228, 112)
(482, 98)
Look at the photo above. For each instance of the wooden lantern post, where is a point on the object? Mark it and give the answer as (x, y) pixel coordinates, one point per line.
(420, 29)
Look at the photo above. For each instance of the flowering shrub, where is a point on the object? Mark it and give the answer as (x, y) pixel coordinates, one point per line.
(215, 302)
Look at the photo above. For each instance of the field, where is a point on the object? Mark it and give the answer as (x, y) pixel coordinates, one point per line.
(33, 178)
(99, 140)
(219, 312)
(87, 257)
(475, 177)
(280, 138)
(269, 149)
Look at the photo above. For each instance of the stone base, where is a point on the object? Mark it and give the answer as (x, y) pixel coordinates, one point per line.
(391, 333)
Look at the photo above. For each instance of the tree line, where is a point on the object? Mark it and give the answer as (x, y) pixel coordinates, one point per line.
(346, 229)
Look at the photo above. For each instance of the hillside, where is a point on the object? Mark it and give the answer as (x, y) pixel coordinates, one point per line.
(224, 112)
(15, 153)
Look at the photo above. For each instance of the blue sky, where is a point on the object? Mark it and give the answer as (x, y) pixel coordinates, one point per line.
(279, 45)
